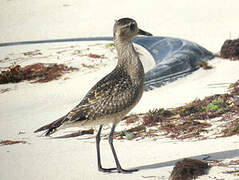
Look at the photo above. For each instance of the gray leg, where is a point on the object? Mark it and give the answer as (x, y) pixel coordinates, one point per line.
(119, 169)
(98, 153)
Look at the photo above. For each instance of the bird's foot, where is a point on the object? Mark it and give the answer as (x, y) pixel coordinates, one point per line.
(119, 170)
(124, 171)
(107, 170)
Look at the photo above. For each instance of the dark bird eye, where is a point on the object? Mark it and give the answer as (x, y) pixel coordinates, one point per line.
(132, 26)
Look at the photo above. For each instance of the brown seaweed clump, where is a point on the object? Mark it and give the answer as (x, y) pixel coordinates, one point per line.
(10, 142)
(38, 72)
(230, 49)
(191, 120)
(188, 169)
(204, 65)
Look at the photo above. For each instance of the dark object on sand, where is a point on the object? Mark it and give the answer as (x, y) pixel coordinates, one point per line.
(174, 58)
(230, 49)
(188, 169)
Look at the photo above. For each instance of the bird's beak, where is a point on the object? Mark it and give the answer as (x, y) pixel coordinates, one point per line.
(141, 32)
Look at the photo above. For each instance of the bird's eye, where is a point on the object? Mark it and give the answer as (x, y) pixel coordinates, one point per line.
(132, 26)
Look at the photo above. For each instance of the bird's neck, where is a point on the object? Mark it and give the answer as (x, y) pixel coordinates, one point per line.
(128, 58)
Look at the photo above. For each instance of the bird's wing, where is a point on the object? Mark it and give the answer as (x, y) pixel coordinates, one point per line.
(110, 95)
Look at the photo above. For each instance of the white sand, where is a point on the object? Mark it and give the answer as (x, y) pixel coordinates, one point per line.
(28, 106)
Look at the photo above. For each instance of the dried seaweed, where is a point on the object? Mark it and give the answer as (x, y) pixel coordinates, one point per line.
(232, 128)
(10, 142)
(190, 120)
(230, 49)
(38, 72)
(204, 65)
(96, 56)
(155, 116)
(188, 169)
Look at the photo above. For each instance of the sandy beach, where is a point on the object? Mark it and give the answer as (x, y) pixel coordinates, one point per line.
(26, 106)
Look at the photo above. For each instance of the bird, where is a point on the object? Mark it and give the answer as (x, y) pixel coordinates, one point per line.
(111, 98)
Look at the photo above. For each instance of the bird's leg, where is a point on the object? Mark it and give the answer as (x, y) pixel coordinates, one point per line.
(119, 169)
(98, 153)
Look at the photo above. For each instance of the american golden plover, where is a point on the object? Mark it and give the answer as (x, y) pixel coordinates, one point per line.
(114, 95)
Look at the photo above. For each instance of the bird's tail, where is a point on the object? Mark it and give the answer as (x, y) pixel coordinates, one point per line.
(51, 128)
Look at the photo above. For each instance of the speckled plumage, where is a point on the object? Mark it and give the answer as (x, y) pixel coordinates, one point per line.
(114, 95)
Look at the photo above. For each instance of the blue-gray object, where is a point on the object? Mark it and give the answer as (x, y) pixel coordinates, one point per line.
(174, 57)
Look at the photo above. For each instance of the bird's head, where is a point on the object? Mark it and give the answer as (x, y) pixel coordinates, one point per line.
(127, 28)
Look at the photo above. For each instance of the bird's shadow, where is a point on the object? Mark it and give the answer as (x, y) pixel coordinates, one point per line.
(207, 157)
